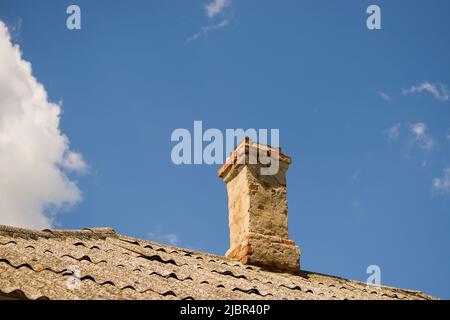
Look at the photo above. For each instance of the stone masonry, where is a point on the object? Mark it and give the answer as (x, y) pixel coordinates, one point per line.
(258, 213)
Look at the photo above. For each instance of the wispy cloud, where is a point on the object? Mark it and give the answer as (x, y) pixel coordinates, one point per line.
(421, 137)
(384, 96)
(205, 29)
(418, 130)
(212, 10)
(394, 131)
(442, 184)
(158, 236)
(437, 89)
(216, 7)
(35, 155)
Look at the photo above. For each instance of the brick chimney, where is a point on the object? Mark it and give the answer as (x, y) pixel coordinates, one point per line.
(257, 205)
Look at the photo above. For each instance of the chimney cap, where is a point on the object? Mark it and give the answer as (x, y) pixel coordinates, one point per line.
(240, 155)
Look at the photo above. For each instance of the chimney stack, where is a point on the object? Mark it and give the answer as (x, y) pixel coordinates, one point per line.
(257, 205)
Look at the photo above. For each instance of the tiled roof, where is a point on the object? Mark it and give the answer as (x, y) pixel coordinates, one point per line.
(40, 265)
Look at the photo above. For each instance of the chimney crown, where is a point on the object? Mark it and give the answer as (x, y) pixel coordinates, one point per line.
(258, 214)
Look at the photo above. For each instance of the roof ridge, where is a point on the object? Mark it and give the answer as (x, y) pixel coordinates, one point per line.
(96, 233)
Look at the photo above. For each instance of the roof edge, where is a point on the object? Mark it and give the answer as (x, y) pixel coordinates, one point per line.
(94, 233)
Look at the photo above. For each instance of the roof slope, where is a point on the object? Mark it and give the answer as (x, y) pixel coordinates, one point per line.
(38, 264)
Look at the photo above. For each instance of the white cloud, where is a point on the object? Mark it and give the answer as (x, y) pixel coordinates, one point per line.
(212, 9)
(418, 129)
(74, 161)
(394, 131)
(438, 90)
(158, 236)
(442, 184)
(34, 154)
(216, 7)
(421, 137)
(205, 29)
(384, 96)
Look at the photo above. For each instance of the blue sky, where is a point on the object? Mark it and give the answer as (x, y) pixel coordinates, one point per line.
(364, 114)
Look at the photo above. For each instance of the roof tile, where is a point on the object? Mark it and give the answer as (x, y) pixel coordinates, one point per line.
(39, 265)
